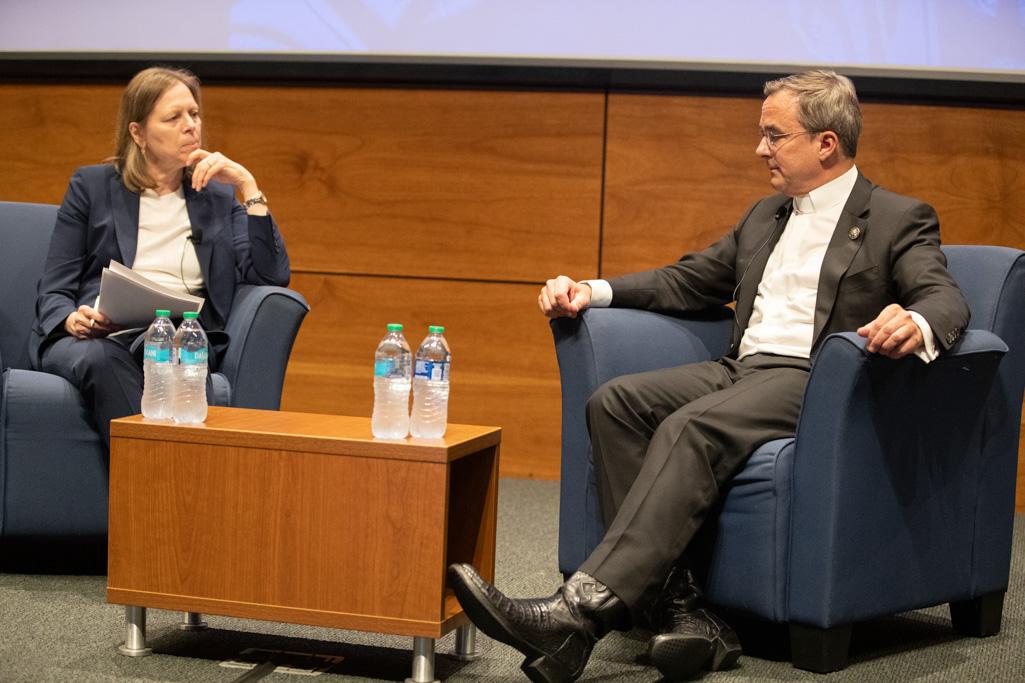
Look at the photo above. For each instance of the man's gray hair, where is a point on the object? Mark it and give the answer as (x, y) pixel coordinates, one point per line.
(825, 101)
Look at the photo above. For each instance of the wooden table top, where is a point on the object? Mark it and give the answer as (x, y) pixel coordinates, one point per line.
(310, 432)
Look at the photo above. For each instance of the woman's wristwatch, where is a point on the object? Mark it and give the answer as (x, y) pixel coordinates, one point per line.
(254, 200)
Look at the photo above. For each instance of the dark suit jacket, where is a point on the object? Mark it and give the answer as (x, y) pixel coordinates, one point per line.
(99, 221)
(885, 249)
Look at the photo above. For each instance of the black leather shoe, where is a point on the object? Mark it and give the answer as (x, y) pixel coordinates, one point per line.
(690, 637)
(556, 634)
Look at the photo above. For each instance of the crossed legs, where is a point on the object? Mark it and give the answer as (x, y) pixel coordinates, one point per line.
(665, 443)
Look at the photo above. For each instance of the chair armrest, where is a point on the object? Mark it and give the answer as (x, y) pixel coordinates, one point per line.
(262, 326)
(888, 472)
(598, 345)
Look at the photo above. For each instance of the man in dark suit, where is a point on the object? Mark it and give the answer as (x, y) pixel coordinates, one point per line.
(830, 252)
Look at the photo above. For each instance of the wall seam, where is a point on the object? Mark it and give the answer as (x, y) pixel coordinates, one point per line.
(601, 193)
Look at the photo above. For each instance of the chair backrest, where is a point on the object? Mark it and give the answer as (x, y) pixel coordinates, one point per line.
(25, 231)
(993, 282)
(989, 278)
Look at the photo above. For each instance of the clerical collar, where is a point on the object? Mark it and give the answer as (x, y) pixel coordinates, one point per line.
(824, 197)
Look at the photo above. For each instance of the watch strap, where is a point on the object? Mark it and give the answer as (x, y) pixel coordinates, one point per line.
(254, 200)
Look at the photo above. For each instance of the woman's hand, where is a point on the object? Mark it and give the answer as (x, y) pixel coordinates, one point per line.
(88, 323)
(207, 166)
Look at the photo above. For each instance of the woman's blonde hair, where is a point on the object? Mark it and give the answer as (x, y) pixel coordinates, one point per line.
(137, 104)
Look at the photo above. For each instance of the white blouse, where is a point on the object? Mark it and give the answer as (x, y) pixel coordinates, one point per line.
(164, 252)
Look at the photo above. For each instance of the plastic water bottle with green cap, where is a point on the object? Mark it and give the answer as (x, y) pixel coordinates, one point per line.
(431, 385)
(190, 390)
(393, 370)
(158, 367)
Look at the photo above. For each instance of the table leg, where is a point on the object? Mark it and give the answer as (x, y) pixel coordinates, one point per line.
(423, 661)
(192, 621)
(466, 643)
(135, 635)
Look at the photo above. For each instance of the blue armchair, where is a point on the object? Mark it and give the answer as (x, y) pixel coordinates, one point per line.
(896, 493)
(53, 471)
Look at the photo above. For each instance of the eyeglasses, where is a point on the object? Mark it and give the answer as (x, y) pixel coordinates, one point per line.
(772, 138)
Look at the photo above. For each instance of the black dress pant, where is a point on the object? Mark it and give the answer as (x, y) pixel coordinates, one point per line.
(665, 443)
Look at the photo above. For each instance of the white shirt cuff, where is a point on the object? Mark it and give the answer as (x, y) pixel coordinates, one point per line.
(601, 293)
(927, 351)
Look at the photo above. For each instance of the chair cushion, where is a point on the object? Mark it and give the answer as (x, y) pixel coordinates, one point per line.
(54, 475)
(747, 571)
(219, 390)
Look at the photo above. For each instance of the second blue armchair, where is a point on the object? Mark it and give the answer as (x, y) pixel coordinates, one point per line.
(896, 493)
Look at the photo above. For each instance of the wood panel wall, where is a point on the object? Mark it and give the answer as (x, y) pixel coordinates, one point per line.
(443, 206)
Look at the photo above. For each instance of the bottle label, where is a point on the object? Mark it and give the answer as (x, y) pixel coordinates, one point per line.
(153, 352)
(435, 370)
(383, 368)
(197, 357)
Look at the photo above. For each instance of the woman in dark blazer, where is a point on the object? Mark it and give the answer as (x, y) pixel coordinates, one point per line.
(167, 208)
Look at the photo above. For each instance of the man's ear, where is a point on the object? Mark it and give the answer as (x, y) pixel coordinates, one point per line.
(829, 144)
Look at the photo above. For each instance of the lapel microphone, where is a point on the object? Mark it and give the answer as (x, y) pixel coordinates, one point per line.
(196, 237)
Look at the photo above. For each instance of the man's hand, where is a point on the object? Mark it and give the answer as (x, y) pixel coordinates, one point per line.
(562, 297)
(893, 333)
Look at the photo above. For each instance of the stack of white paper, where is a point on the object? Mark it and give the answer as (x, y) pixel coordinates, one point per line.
(129, 299)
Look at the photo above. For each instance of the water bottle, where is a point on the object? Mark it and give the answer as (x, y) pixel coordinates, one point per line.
(190, 389)
(393, 370)
(158, 367)
(430, 386)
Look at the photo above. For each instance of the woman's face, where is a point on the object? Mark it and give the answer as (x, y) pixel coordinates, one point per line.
(172, 130)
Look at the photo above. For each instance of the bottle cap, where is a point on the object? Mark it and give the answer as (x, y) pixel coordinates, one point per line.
(394, 327)
(190, 315)
(162, 313)
(435, 329)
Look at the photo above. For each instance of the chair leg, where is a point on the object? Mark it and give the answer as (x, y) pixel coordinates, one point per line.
(819, 649)
(979, 617)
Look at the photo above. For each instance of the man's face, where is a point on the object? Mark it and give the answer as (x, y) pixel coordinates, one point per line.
(795, 166)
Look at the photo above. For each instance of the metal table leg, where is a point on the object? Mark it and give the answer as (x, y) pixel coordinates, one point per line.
(135, 635)
(423, 661)
(193, 621)
(466, 643)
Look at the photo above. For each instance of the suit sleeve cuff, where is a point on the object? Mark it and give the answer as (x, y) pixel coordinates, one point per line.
(927, 351)
(601, 293)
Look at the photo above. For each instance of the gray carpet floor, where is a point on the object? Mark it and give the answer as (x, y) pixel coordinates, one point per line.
(60, 628)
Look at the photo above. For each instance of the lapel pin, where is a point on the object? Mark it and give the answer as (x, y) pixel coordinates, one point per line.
(854, 233)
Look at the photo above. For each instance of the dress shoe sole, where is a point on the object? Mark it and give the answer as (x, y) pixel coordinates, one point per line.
(538, 665)
(678, 657)
(725, 654)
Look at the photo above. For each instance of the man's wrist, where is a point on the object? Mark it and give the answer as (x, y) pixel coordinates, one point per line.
(927, 350)
(601, 293)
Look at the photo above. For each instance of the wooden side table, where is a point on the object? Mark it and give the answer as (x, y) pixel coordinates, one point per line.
(299, 518)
